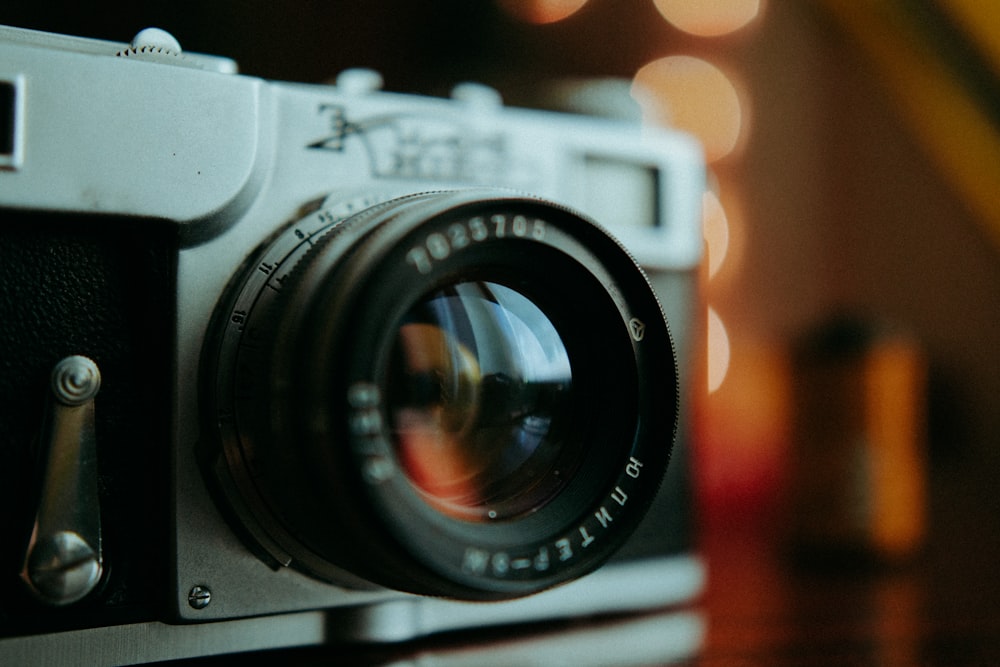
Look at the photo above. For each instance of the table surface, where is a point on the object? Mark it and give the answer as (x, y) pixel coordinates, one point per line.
(942, 608)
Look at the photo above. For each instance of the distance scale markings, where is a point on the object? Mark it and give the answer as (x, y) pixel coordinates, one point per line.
(243, 334)
(287, 249)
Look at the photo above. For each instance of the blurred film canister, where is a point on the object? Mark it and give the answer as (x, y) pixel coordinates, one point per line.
(859, 470)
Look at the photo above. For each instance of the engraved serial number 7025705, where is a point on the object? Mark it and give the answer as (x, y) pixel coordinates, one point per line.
(440, 245)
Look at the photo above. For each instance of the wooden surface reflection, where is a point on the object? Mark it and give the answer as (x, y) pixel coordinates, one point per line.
(765, 608)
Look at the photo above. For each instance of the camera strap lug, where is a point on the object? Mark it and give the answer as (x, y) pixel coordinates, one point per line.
(63, 562)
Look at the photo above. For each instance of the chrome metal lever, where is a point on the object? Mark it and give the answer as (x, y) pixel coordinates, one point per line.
(63, 562)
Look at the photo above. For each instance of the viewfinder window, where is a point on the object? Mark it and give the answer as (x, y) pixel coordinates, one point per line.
(622, 192)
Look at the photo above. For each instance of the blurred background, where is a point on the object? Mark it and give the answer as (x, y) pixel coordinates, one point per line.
(851, 282)
(854, 151)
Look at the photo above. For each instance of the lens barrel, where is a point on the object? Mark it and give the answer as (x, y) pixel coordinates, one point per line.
(461, 393)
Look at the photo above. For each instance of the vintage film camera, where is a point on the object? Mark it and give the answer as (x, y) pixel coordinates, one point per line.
(288, 364)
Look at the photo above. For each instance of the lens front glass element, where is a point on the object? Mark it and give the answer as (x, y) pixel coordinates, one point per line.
(479, 388)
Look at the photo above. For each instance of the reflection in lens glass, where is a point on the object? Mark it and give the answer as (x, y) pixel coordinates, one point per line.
(479, 384)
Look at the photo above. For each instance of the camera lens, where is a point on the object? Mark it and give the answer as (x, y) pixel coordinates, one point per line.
(478, 391)
(462, 393)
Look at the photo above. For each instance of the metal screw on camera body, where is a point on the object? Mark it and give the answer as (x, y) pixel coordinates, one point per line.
(199, 597)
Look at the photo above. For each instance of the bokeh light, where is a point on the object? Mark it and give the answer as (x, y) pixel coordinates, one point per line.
(715, 227)
(718, 351)
(694, 95)
(541, 11)
(709, 18)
